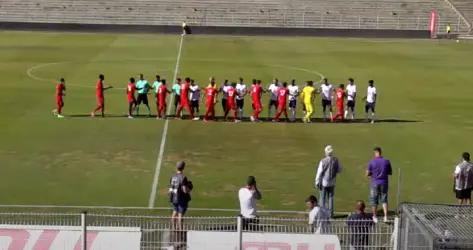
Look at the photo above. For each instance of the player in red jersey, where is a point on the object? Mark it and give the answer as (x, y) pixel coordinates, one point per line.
(211, 93)
(231, 102)
(282, 102)
(185, 103)
(162, 93)
(256, 92)
(340, 95)
(60, 93)
(99, 89)
(130, 93)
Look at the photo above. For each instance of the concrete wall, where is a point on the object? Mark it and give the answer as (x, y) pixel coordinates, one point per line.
(216, 30)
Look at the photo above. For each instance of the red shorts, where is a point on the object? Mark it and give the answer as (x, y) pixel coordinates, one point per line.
(184, 103)
(100, 100)
(59, 100)
(131, 100)
(340, 109)
(209, 104)
(231, 105)
(282, 106)
(257, 104)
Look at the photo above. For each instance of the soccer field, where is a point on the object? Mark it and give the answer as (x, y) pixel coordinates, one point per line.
(425, 102)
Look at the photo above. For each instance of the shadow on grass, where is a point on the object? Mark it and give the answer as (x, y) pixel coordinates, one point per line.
(247, 119)
(110, 116)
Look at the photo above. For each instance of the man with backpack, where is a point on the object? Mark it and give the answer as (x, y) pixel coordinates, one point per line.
(463, 178)
(327, 172)
(179, 192)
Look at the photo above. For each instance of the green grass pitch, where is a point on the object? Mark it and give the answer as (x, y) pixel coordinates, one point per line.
(83, 161)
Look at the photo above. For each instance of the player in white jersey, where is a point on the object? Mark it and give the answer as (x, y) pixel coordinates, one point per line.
(194, 96)
(273, 99)
(326, 92)
(351, 98)
(293, 94)
(223, 90)
(240, 98)
(371, 97)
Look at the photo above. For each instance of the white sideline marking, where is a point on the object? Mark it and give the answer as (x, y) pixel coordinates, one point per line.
(154, 187)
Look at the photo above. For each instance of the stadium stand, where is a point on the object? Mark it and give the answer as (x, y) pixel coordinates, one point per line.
(465, 7)
(335, 14)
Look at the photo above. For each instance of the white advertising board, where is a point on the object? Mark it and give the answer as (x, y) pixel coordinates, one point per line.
(25, 237)
(200, 240)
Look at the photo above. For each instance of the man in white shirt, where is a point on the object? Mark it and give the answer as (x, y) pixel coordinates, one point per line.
(318, 216)
(326, 91)
(194, 96)
(371, 97)
(240, 98)
(351, 97)
(247, 197)
(463, 178)
(273, 99)
(293, 94)
(325, 179)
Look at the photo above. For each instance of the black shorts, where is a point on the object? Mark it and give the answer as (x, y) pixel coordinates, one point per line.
(273, 103)
(370, 106)
(142, 98)
(224, 103)
(177, 100)
(351, 104)
(240, 103)
(292, 104)
(326, 103)
(463, 194)
(195, 103)
(187, 30)
(250, 224)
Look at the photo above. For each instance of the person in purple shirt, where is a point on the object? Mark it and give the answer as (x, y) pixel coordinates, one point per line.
(379, 169)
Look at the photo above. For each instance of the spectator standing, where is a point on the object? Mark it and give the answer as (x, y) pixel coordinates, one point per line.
(325, 179)
(318, 216)
(247, 197)
(359, 225)
(463, 180)
(179, 192)
(379, 169)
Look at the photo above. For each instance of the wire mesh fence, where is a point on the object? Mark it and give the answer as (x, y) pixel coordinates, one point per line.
(163, 232)
(429, 226)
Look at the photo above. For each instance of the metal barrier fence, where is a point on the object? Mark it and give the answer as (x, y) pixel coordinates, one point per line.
(430, 226)
(296, 18)
(163, 233)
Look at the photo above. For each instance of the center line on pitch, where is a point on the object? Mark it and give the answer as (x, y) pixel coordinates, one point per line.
(154, 187)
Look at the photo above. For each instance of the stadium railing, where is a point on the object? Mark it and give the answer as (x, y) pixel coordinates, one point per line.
(331, 16)
(161, 232)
